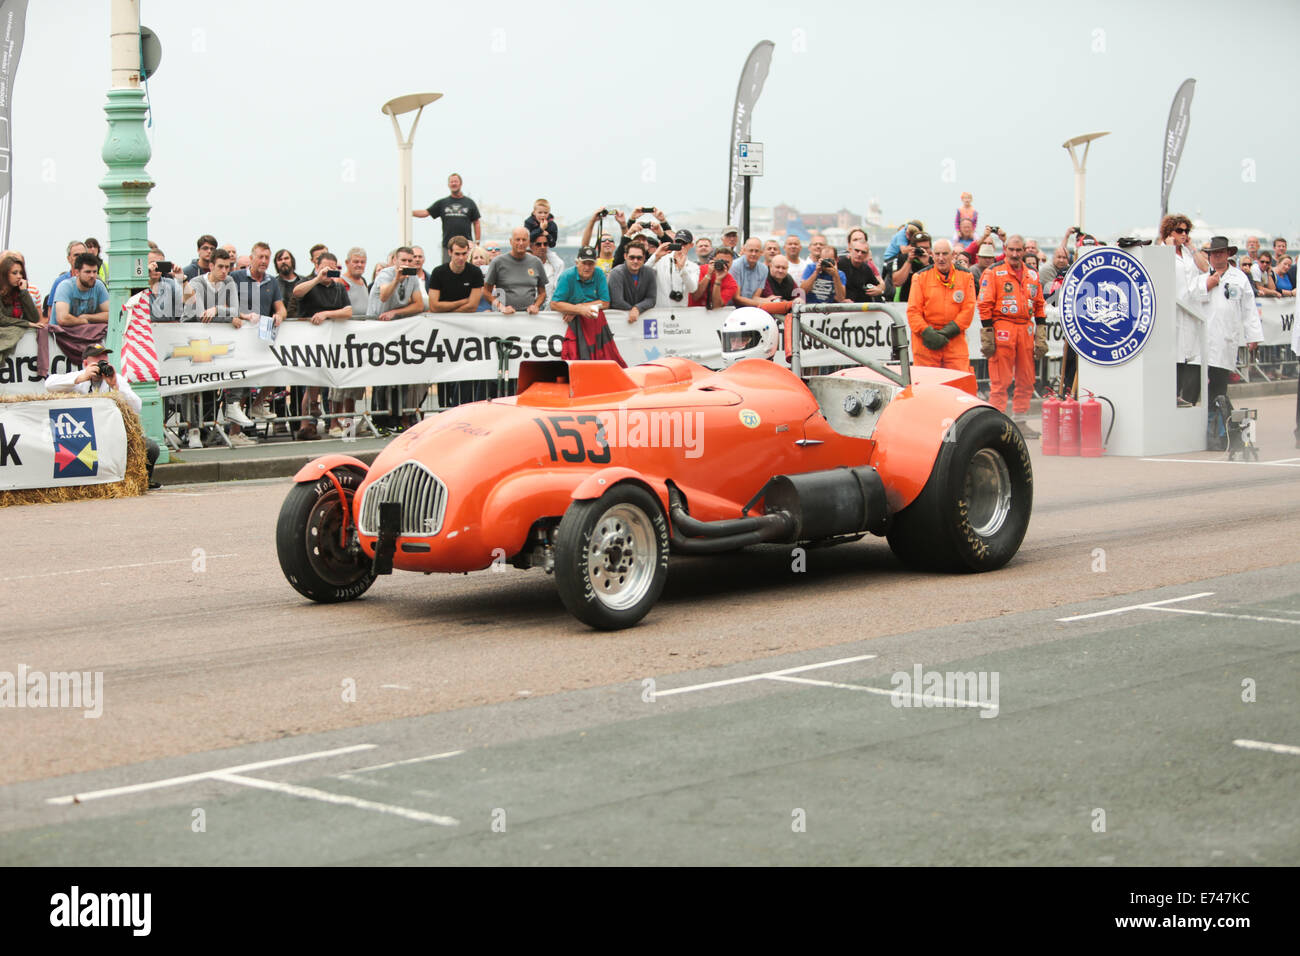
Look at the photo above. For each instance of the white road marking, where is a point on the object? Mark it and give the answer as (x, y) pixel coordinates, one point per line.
(1272, 748)
(399, 763)
(1133, 607)
(205, 775)
(1283, 462)
(393, 687)
(763, 676)
(1235, 617)
(113, 567)
(324, 796)
(921, 698)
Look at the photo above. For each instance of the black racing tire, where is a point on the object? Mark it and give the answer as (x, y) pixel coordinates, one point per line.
(307, 541)
(611, 557)
(974, 510)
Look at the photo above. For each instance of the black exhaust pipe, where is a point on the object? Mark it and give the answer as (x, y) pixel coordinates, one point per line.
(808, 507)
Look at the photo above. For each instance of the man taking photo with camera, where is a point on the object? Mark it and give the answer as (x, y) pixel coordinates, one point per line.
(676, 277)
(98, 376)
(715, 286)
(822, 280)
(912, 258)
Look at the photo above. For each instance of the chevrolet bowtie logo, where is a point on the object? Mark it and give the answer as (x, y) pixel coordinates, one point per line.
(201, 351)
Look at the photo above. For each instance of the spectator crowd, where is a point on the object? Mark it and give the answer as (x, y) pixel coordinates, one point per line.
(642, 263)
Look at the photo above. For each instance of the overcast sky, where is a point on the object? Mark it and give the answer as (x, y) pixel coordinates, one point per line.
(266, 121)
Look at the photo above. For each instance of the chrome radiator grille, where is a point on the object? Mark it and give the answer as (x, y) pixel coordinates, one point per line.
(421, 493)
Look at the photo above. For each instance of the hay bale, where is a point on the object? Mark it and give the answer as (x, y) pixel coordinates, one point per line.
(134, 484)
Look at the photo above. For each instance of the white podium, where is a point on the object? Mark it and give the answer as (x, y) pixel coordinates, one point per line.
(1143, 390)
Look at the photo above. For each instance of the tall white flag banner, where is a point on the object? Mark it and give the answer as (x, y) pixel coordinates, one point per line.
(79, 441)
(752, 78)
(1180, 117)
(13, 20)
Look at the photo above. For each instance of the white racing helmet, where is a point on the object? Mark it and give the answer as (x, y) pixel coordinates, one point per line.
(748, 332)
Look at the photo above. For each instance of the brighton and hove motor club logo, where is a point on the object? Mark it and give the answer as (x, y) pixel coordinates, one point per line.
(1108, 306)
(75, 452)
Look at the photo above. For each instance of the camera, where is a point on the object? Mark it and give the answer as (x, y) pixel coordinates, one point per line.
(996, 229)
(603, 213)
(675, 246)
(165, 268)
(412, 271)
(334, 273)
(828, 263)
(675, 295)
(719, 265)
(105, 369)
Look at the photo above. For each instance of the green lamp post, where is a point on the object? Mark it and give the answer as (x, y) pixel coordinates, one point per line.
(126, 188)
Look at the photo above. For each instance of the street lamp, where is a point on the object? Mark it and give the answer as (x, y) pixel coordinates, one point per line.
(1081, 169)
(395, 108)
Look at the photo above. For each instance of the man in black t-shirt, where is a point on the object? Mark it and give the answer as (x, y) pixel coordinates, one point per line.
(320, 298)
(459, 215)
(780, 285)
(324, 296)
(456, 286)
(861, 282)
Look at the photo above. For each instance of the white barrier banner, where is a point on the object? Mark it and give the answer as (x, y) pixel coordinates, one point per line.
(64, 442)
(419, 349)
(445, 348)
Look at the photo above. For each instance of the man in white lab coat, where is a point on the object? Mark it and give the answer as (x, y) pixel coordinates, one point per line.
(1229, 301)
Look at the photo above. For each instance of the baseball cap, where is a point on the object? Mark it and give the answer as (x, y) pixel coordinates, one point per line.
(587, 254)
(683, 236)
(730, 229)
(99, 348)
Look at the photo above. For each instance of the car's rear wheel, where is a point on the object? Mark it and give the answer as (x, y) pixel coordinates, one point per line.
(308, 540)
(974, 510)
(611, 557)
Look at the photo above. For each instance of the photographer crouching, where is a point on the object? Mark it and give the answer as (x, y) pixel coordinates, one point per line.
(98, 376)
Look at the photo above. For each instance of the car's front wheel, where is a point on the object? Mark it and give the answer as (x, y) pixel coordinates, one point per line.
(611, 557)
(974, 510)
(313, 554)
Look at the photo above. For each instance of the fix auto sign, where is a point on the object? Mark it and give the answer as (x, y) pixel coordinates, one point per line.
(64, 442)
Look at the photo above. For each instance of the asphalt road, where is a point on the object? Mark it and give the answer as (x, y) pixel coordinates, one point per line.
(211, 662)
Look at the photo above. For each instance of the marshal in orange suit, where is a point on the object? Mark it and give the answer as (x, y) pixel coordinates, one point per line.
(940, 308)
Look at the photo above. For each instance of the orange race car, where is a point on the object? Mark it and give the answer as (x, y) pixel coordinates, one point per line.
(598, 474)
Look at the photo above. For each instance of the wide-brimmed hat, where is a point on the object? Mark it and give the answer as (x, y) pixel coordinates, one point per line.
(1218, 243)
(987, 251)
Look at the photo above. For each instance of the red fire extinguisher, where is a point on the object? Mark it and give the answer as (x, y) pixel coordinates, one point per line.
(1051, 424)
(1069, 430)
(1090, 426)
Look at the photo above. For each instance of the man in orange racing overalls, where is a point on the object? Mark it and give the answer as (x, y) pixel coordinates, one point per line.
(940, 308)
(1011, 300)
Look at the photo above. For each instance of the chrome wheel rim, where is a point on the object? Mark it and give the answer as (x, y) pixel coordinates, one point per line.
(987, 492)
(621, 557)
